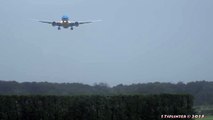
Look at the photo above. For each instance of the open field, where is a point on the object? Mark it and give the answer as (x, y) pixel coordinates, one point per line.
(207, 118)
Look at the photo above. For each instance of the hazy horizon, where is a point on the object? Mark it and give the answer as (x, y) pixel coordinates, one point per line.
(136, 42)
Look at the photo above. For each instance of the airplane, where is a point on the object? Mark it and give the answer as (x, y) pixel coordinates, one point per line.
(66, 23)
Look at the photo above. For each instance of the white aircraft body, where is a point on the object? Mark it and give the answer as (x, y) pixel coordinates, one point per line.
(66, 23)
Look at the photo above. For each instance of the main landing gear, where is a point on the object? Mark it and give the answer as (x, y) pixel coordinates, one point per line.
(59, 28)
(71, 28)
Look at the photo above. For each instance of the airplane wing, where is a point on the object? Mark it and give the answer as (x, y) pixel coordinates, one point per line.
(86, 22)
(52, 23)
(46, 22)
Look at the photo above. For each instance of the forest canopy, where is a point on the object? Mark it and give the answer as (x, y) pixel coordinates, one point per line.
(200, 90)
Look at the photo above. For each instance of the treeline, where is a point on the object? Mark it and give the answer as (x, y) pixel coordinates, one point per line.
(120, 107)
(200, 90)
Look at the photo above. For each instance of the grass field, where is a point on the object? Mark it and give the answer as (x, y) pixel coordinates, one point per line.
(206, 118)
(207, 110)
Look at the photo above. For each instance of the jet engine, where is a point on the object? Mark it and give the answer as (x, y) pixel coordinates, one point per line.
(76, 24)
(54, 23)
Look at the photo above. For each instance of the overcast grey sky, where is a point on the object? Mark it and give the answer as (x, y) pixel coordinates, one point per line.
(138, 41)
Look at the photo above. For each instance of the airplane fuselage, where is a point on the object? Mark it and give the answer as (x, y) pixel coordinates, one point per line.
(65, 24)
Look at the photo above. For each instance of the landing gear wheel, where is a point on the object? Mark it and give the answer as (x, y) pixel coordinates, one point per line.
(59, 28)
(71, 28)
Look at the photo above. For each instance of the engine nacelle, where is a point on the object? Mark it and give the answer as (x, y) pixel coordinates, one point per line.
(54, 23)
(76, 24)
